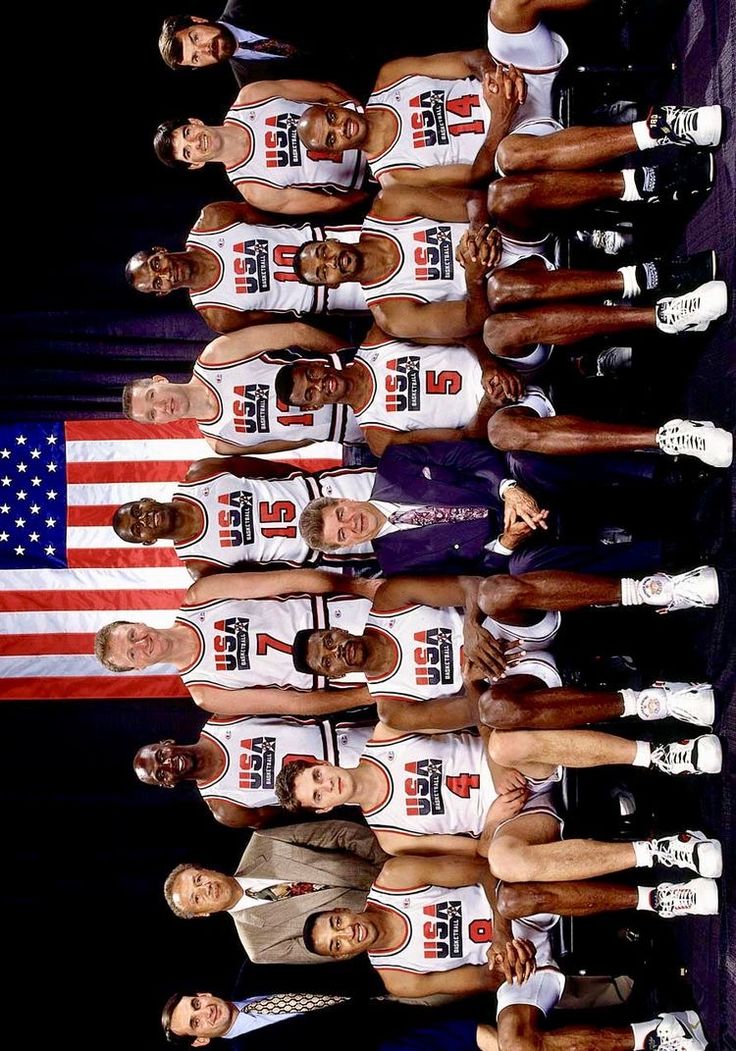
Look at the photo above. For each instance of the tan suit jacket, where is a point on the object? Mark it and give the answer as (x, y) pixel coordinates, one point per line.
(341, 854)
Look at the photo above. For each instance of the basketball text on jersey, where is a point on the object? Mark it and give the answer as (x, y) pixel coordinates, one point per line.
(433, 254)
(232, 644)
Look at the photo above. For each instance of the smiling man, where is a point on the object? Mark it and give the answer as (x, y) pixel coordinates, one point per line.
(284, 875)
(238, 267)
(263, 158)
(241, 509)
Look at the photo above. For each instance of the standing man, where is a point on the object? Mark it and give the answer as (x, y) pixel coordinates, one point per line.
(284, 875)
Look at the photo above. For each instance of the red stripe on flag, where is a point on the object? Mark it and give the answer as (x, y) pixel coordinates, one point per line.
(90, 687)
(53, 642)
(140, 471)
(90, 515)
(148, 598)
(128, 430)
(121, 557)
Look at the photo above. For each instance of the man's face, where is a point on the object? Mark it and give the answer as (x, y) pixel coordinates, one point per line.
(202, 1016)
(321, 787)
(315, 385)
(332, 129)
(205, 44)
(165, 764)
(334, 652)
(159, 401)
(350, 522)
(200, 892)
(136, 646)
(341, 933)
(162, 272)
(330, 263)
(195, 143)
(145, 521)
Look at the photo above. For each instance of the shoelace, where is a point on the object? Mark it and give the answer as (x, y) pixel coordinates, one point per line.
(684, 123)
(681, 440)
(672, 898)
(678, 308)
(673, 853)
(673, 758)
(669, 1040)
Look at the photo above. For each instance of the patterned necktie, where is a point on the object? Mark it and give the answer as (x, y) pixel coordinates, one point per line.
(271, 47)
(432, 514)
(292, 1003)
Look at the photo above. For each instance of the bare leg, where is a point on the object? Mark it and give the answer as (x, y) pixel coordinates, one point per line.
(574, 149)
(521, 200)
(508, 334)
(524, 283)
(505, 707)
(520, 1029)
(535, 752)
(574, 898)
(515, 430)
(519, 16)
(500, 596)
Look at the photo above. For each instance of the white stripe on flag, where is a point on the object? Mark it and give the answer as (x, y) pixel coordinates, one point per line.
(137, 451)
(81, 622)
(95, 579)
(116, 493)
(101, 536)
(65, 665)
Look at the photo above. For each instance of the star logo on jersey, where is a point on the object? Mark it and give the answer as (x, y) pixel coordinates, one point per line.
(443, 635)
(453, 909)
(241, 499)
(436, 96)
(434, 767)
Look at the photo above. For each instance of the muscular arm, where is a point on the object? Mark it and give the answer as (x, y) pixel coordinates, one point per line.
(396, 843)
(449, 205)
(256, 340)
(379, 439)
(240, 467)
(225, 319)
(278, 582)
(236, 816)
(293, 200)
(462, 981)
(228, 448)
(450, 870)
(447, 65)
(263, 700)
(293, 90)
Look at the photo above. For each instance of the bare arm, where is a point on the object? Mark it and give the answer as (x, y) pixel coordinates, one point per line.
(279, 582)
(256, 340)
(462, 981)
(291, 200)
(450, 870)
(236, 816)
(225, 319)
(262, 700)
(221, 213)
(397, 843)
(449, 205)
(293, 90)
(240, 466)
(447, 65)
(226, 448)
(437, 715)
(379, 439)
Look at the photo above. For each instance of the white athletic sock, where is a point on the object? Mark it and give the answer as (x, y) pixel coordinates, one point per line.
(642, 853)
(642, 135)
(630, 191)
(644, 903)
(643, 755)
(641, 1031)
(630, 592)
(631, 285)
(629, 697)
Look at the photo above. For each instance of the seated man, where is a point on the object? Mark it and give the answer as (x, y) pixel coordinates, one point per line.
(193, 1019)
(240, 510)
(427, 929)
(238, 266)
(231, 642)
(264, 160)
(336, 862)
(232, 395)
(401, 392)
(415, 645)
(234, 762)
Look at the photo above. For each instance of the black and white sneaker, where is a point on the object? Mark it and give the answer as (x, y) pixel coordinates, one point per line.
(674, 276)
(692, 311)
(678, 1031)
(687, 176)
(686, 125)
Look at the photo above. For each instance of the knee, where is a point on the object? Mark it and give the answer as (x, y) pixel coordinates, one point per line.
(499, 594)
(501, 290)
(510, 747)
(513, 901)
(514, 154)
(508, 431)
(500, 197)
(499, 334)
(501, 709)
(509, 861)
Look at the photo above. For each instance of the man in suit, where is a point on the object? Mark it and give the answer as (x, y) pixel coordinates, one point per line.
(284, 875)
(457, 479)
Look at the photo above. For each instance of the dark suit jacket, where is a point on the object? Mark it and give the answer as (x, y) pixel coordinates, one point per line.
(442, 473)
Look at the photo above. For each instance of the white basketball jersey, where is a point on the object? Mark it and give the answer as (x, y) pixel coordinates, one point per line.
(414, 387)
(427, 648)
(247, 642)
(255, 269)
(255, 747)
(437, 784)
(255, 519)
(426, 270)
(275, 156)
(436, 122)
(444, 927)
(249, 411)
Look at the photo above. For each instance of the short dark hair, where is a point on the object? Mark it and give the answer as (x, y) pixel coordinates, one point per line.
(284, 383)
(169, 1007)
(285, 779)
(129, 390)
(163, 142)
(168, 43)
(299, 651)
(308, 930)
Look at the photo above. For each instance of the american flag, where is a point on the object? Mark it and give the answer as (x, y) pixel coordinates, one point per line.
(63, 571)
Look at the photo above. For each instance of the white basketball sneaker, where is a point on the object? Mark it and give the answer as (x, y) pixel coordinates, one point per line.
(695, 589)
(697, 897)
(678, 1031)
(698, 755)
(691, 702)
(686, 125)
(699, 438)
(693, 311)
(689, 850)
